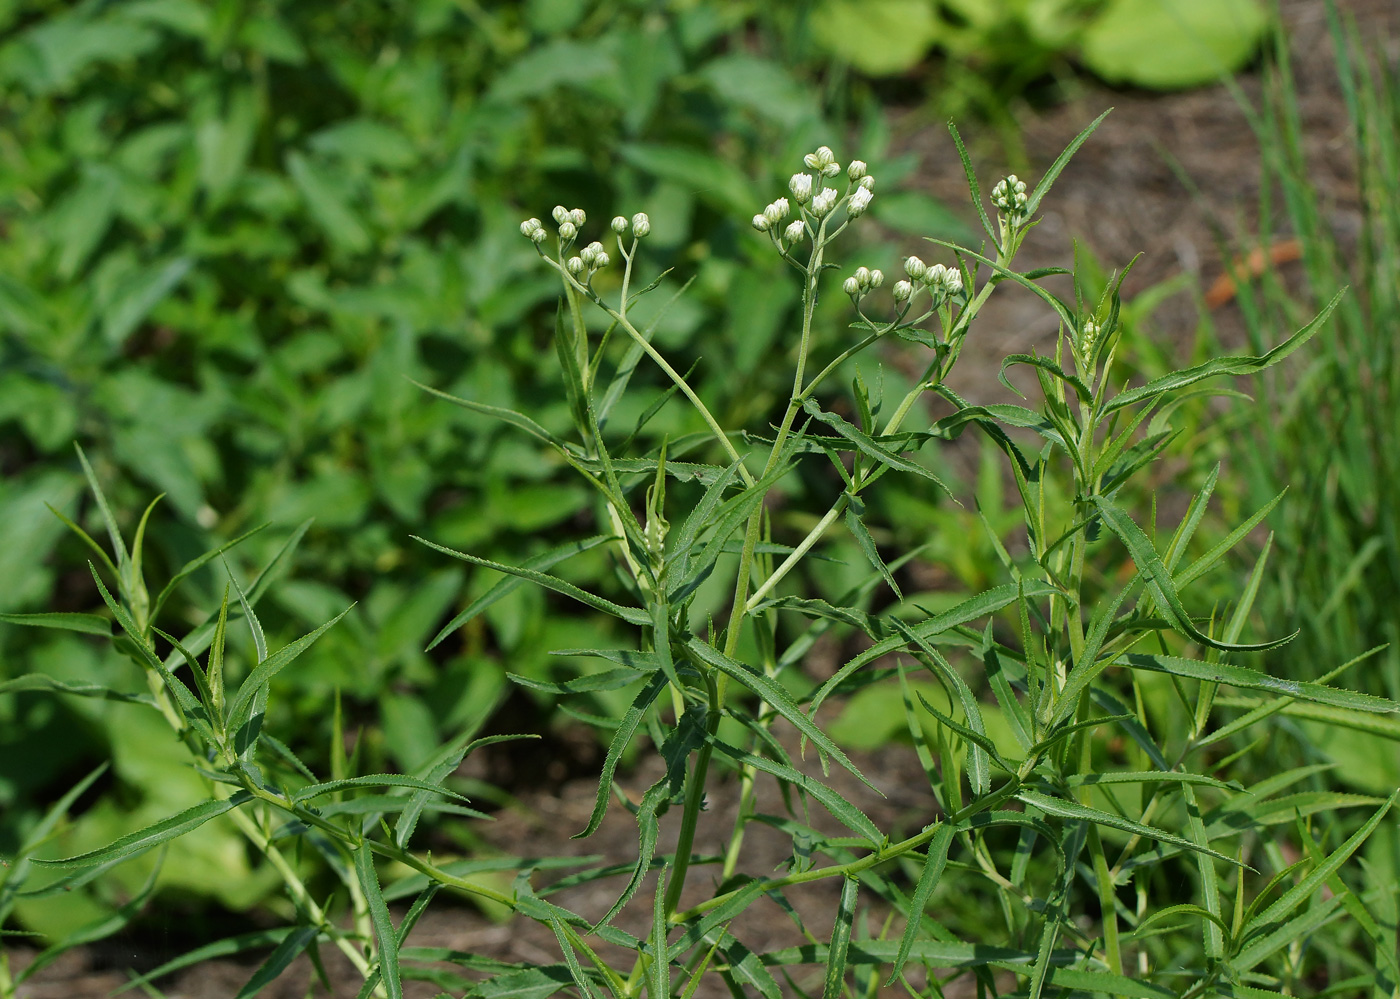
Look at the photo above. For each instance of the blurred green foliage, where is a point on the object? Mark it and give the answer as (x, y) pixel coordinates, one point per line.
(235, 230)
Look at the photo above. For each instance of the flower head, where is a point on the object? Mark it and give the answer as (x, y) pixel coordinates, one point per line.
(795, 231)
(619, 225)
(641, 225)
(915, 268)
(577, 217)
(860, 201)
(761, 223)
(903, 291)
(824, 202)
(801, 187)
(856, 170)
(567, 230)
(561, 214)
(575, 265)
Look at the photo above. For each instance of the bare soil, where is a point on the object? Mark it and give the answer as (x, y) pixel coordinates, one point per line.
(1120, 196)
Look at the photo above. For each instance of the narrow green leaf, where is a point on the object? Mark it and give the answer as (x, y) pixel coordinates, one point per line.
(1240, 676)
(934, 864)
(972, 186)
(986, 602)
(659, 971)
(40, 681)
(632, 615)
(1300, 892)
(384, 932)
(87, 624)
(846, 813)
(1043, 188)
(866, 543)
(1159, 580)
(268, 668)
(437, 769)
(518, 420)
(1240, 365)
(868, 446)
(136, 843)
(372, 780)
(1063, 809)
(626, 728)
(610, 679)
(840, 939)
(776, 696)
(292, 944)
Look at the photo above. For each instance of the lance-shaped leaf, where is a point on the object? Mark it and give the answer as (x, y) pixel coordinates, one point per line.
(136, 843)
(1160, 584)
(867, 445)
(608, 679)
(1215, 367)
(292, 943)
(626, 728)
(517, 420)
(263, 673)
(987, 602)
(1063, 809)
(1049, 177)
(1295, 896)
(437, 769)
(87, 624)
(835, 979)
(541, 562)
(384, 932)
(40, 681)
(846, 813)
(632, 615)
(196, 563)
(775, 695)
(1240, 676)
(934, 864)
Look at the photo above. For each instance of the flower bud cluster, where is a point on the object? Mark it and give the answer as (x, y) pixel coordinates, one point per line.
(1009, 196)
(824, 202)
(1089, 335)
(772, 215)
(823, 161)
(942, 282)
(859, 283)
(569, 221)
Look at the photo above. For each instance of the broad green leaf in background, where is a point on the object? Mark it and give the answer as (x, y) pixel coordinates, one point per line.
(1166, 44)
(878, 37)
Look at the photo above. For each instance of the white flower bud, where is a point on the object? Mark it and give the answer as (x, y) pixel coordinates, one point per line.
(761, 223)
(801, 187)
(824, 202)
(915, 268)
(641, 225)
(831, 169)
(619, 225)
(856, 170)
(600, 259)
(567, 230)
(561, 214)
(575, 265)
(860, 201)
(877, 278)
(851, 287)
(903, 291)
(577, 217)
(862, 276)
(774, 213)
(933, 277)
(528, 227)
(538, 235)
(795, 232)
(591, 252)
(868, 182)
(952, 281)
